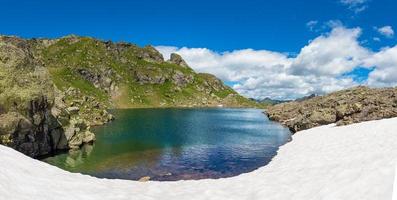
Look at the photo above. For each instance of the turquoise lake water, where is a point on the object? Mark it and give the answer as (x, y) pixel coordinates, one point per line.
(176, 144)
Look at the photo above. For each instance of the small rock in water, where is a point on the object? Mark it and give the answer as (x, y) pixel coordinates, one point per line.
(144, 179)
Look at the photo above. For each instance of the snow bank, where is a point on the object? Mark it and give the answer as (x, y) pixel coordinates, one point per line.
(350, 162)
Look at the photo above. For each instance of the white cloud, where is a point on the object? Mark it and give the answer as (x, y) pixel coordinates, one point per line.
(385, 63)
(320, 67)
(355, 5)
(386, 31)
(229, 66)
(333, 54)
(311, 24)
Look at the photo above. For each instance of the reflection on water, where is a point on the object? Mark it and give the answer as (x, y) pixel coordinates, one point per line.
(76, 156)
(175, 144)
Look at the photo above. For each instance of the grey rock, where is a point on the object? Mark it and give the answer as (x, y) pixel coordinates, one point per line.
(88, 137)
(343, 107)
(73, 110)
(178, 60)
(180, 79)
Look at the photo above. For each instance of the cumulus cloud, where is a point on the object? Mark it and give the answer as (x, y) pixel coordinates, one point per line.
(355, 5)
(333, 54)
(386, 31)
(385, 63)
(322, 66)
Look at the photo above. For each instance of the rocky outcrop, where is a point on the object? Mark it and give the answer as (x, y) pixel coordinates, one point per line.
(156, 76)
(35, 117)
(34, 133)
(102, 79)
(344, 107)
(44, 128)
(150, 76)
(149, 53)
(178, 60)
(181, 80)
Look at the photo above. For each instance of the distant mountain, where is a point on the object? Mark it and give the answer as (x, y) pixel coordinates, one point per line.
(270, 101)
(305, 98)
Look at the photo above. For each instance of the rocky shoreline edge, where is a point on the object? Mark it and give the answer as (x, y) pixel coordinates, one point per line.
(357, 104)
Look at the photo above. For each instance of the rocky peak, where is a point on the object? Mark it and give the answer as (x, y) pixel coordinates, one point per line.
(177, 59)
(151, 54)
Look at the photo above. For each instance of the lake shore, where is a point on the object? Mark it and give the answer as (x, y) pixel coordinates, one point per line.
(349, 162)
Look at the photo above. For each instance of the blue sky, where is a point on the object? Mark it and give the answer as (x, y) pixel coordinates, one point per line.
(221, 27)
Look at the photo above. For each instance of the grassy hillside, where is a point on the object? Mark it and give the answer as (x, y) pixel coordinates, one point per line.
(126, 76)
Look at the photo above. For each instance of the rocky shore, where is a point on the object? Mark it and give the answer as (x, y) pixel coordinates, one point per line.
(343, 107)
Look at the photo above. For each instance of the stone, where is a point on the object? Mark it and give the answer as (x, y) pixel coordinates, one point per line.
(70, 131)
(144, 179)
(37, 118)
(9, 123)
(149, 53)
(55, 137)
(180, 79)
(73, 110)
(178, 60)
(76, 141)
(88, 137)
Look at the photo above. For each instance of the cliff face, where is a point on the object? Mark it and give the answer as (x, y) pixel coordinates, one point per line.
(52, 91)
(343, 107)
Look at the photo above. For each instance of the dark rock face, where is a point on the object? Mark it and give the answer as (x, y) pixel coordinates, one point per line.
(34, 117)
(44, 128)
(344, 107)
(37, 133)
